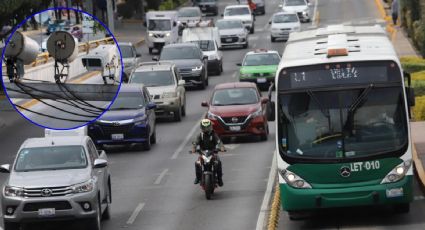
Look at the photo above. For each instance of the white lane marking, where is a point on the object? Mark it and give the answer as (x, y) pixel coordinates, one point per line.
(183, 144)
(419, 197)
(231, 146)
(234, 74)
(313, 22)
(160, 177)
(267, 194)
(135, 213)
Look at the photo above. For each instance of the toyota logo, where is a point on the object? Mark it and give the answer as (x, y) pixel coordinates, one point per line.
(115, 123)
(345, 171)
(46, 192)
(234, 119)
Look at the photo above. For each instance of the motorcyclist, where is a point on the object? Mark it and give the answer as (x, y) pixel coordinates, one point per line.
(208, 140)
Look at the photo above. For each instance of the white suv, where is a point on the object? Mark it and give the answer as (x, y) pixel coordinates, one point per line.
(282, 24)
(241, 12)
(301, 7)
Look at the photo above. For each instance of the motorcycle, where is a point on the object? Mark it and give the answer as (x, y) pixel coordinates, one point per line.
(209, 176)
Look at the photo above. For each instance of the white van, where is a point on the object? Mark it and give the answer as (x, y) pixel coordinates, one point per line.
(106, 59)
(208, 39)
(162, 29)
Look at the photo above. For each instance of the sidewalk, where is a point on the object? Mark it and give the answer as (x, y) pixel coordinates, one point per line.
(133, 32)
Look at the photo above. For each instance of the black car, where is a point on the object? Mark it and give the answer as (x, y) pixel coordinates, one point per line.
(207, 6)
(191, 62)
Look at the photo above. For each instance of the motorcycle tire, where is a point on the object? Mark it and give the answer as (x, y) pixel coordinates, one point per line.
(209, 186)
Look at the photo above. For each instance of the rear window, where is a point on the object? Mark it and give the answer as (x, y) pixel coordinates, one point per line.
(92, 62)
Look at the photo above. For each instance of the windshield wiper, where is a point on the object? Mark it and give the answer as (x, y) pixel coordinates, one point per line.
(360, 99)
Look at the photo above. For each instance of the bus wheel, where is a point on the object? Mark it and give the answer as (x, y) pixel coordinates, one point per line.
(402, 208)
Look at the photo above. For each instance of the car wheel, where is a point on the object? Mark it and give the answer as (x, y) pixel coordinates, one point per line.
(11, 226)
(150, 50)
(107, 213)
(273, 39)
(245, 45)
(94, 223)
(206, 79)
(184, 108)
(252, 30)
(147, 145)
(153, 137)
(221, 66)
(203, 84)
(178, 114)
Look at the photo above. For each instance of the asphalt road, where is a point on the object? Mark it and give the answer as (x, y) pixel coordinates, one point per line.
(153, 189)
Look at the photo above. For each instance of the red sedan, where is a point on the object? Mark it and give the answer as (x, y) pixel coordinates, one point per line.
(237, 109)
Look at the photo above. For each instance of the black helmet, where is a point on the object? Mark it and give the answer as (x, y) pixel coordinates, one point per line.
(206, 126)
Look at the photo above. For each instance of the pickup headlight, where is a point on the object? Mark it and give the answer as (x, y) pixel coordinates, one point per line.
(167, 34)
(397, 173)
(293, 179)
(150, 34)
(169, 94)
(213, 57)
(11, 191)
(305, 12)
(211, 116)
(140, 120)
(197, 68)
(87, 186)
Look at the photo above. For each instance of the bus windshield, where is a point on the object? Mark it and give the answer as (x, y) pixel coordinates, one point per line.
(341, 123)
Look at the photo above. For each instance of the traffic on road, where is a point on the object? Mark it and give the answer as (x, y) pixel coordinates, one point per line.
(223, 102)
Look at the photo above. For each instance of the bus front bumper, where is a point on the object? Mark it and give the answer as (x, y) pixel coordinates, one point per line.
(293, 199)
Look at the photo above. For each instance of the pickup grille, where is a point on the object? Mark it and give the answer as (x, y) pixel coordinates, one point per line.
(54, 191)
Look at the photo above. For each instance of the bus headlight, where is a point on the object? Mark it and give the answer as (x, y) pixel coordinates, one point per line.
(293, 179)
(397, 173)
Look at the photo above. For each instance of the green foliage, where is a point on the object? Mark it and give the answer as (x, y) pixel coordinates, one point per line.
(419, 109)
(413, 23)
(167, 5)
(412, 64)
(419, 35)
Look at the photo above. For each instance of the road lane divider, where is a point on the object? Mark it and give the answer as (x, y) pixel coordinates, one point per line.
(392, 31)
(275, 210)
(135, 213)
(85, 77)
(160, 177)
(267, 195)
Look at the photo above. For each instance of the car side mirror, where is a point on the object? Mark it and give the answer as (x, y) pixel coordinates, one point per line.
(151, 105)
(155, 58)
(264, 100)
(205, 104)
(5, 168)
(138, 54)
(239, 64)
(100, 163)
(410, 92)
(174, 24)
(271, 116)
(270, 22)
(181, 82)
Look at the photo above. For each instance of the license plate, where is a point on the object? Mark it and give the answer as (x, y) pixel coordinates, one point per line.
(46, 212)
(394, 192)
(228, 40)
(261, 80)
(117, 136)
(235, 128)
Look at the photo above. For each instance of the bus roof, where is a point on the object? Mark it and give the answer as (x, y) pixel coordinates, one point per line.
(359, 42)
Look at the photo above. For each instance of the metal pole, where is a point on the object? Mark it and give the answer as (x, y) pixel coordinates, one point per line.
(110, 15)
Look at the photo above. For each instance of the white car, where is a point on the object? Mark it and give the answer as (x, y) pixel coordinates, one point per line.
(282, 24)
(232, 33)
(241, 12)
(301, 7)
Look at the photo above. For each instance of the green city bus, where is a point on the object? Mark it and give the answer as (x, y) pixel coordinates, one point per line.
(342, 112)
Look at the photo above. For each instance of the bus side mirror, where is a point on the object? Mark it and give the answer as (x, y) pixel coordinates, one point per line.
(271, 116)
(410, 93)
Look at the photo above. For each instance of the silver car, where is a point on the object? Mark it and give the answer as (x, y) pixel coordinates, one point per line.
(130, 58)
(232, 33)
(165, 86)
(56, 178)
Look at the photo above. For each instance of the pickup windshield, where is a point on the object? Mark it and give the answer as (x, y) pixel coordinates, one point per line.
(236, 11)
(51, 158)
(127, 101)
(153, 78)
(159, 25)
(347, 123)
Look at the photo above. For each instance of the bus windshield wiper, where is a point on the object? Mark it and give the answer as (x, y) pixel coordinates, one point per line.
(360, 99)
(317, 101)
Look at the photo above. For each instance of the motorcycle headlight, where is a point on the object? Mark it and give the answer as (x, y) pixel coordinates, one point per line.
(211, 116)
(169, 94)
(150, 34)
(293, 179)
(11, 191)
(87, 186)
(397, 173)
(197, 68)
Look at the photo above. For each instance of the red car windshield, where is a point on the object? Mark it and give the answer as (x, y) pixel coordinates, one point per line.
(235, 96)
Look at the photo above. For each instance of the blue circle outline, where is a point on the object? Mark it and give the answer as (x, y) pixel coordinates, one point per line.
(20, 25)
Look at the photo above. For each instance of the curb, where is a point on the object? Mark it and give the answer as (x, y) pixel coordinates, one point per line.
(390, 27)
(275, 210)
(419, 168)
(140, 42)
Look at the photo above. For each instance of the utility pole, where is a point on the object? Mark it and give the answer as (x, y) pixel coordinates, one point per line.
(110, 15)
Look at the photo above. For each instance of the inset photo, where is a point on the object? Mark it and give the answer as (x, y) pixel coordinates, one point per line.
(64, 74)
